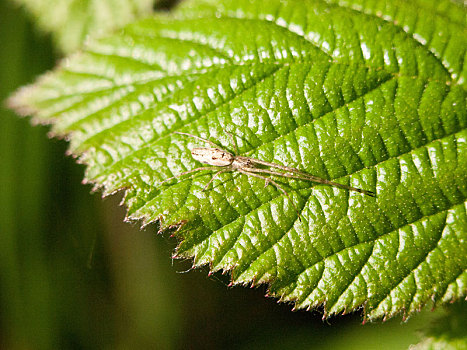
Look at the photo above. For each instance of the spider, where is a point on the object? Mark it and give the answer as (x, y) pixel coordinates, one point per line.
(219, 158)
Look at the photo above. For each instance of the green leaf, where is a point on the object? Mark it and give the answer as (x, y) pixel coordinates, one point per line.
(369, 96)
(72, 21)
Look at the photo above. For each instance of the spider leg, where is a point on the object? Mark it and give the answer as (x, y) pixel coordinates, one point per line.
(278, 173)
(234, 142)
(268, 181)
(198, 138)
(188, 172)
(304, 176)
(282, 167)
(212, 178)
(300, 173)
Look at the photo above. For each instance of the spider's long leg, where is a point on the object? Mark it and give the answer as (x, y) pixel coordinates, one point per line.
(188, 172)
(282, 167)
(268, 181)
(234, 142)
(306, 177)
(215, 175)
(198, 138)
(303, 175)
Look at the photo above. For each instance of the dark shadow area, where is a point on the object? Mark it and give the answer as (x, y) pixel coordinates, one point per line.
(166, 5)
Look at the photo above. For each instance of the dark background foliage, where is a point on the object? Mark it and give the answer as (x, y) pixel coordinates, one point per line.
(74, 276)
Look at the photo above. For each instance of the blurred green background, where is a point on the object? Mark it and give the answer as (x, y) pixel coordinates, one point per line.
(74, 276)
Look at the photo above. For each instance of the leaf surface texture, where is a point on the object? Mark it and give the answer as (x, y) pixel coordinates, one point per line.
(368, 94)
